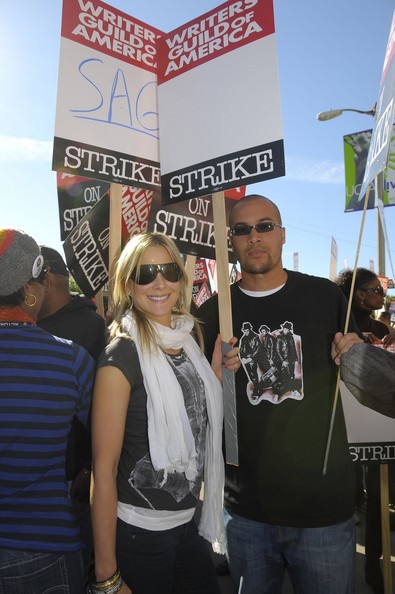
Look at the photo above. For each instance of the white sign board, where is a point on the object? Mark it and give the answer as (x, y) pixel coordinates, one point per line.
(371, 435)
(107, 116)
(219, 102)
(378, 150)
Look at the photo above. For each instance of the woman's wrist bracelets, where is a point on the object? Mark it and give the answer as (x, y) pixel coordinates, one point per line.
(110, 586)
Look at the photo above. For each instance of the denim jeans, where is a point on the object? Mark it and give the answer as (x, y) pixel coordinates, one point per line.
(318, 560)
(28, 572)
(175, 561)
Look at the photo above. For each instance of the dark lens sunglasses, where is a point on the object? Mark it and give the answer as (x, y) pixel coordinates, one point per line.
(264, 227)
(148, 273)
(378, 290)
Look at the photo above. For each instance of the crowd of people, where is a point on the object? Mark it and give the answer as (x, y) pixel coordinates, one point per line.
(111, 437)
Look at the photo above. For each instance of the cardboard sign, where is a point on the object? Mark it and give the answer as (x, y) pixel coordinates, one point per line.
(226, 131)
(136, 207)
(76, 197)
(86, 249)
(201, 284)
(106, 115)
(370, 434)
(190, 224)
(87, 246)
(378, 150)
(356, 148)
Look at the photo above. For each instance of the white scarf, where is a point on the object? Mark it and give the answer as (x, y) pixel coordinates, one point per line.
(171, 443)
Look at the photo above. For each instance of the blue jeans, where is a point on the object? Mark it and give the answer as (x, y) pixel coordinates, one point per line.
(318, 560)
(28, 572)
(175, 561)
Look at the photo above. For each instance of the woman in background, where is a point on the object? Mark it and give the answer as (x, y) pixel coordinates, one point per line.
(368, 297)
(157, 432)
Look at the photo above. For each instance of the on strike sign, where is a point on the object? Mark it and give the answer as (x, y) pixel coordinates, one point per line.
(226, 131)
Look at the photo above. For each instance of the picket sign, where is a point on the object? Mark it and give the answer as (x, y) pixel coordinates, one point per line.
(115, 236)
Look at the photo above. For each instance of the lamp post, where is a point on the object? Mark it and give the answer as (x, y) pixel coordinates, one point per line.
(323, 116)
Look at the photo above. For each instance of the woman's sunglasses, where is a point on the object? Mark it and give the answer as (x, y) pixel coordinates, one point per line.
(148, 273)
(378, 290)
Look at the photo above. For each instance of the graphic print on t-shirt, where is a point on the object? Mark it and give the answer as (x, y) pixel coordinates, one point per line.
(144, 476)
(272, 361)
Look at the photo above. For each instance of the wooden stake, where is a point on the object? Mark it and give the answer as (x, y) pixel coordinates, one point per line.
(385, 528)
(115, 235)
(221, 256)
(348, 314)
(100, 303)
(225, 326)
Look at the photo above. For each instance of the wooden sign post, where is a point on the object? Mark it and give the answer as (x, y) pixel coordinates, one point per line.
(221, 256)
(190, 270)
(385, 529)
(115, 236)
(225, 325)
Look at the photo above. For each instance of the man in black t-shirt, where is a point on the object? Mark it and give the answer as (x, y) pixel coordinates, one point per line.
(281, 510)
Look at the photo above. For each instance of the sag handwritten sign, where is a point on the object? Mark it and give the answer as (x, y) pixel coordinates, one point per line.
(107, 116)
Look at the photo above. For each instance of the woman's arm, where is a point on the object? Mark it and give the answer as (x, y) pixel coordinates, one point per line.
(109, 407)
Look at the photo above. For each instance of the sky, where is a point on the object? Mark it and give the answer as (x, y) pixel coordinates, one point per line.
(330, 55)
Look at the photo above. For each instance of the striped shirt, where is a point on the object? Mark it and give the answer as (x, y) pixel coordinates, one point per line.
(44, 382)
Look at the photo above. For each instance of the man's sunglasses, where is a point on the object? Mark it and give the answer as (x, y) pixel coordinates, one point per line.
(378, 290)
(264, 227)
(148, 273)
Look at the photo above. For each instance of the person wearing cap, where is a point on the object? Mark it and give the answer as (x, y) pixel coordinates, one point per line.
(74, 317)
(67, 314)
(44, 382)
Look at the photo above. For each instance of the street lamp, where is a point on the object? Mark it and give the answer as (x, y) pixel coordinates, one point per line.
(323, 116)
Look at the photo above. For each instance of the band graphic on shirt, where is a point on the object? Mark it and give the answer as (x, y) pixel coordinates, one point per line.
(272, 361)
(144, 477)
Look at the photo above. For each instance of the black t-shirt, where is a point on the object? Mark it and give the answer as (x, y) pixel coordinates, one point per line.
(138, 482)
(285, 389)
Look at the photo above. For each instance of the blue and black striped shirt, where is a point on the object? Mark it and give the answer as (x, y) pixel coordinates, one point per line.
(44, 382)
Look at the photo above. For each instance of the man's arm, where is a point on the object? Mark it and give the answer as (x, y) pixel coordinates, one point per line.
(342, 343)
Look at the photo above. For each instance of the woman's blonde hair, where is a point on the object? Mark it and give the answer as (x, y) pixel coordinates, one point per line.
(123, 289)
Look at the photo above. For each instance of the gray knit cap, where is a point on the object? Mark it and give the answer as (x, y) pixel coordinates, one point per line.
(20, 260)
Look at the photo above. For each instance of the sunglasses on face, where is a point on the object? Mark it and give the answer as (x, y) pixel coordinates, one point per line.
(148, 273)
(264, 227)
(377, 290)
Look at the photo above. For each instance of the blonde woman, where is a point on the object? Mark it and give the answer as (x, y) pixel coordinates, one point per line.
(157, 424)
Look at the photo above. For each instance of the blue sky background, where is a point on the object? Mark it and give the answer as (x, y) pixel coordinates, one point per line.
(330, 55)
